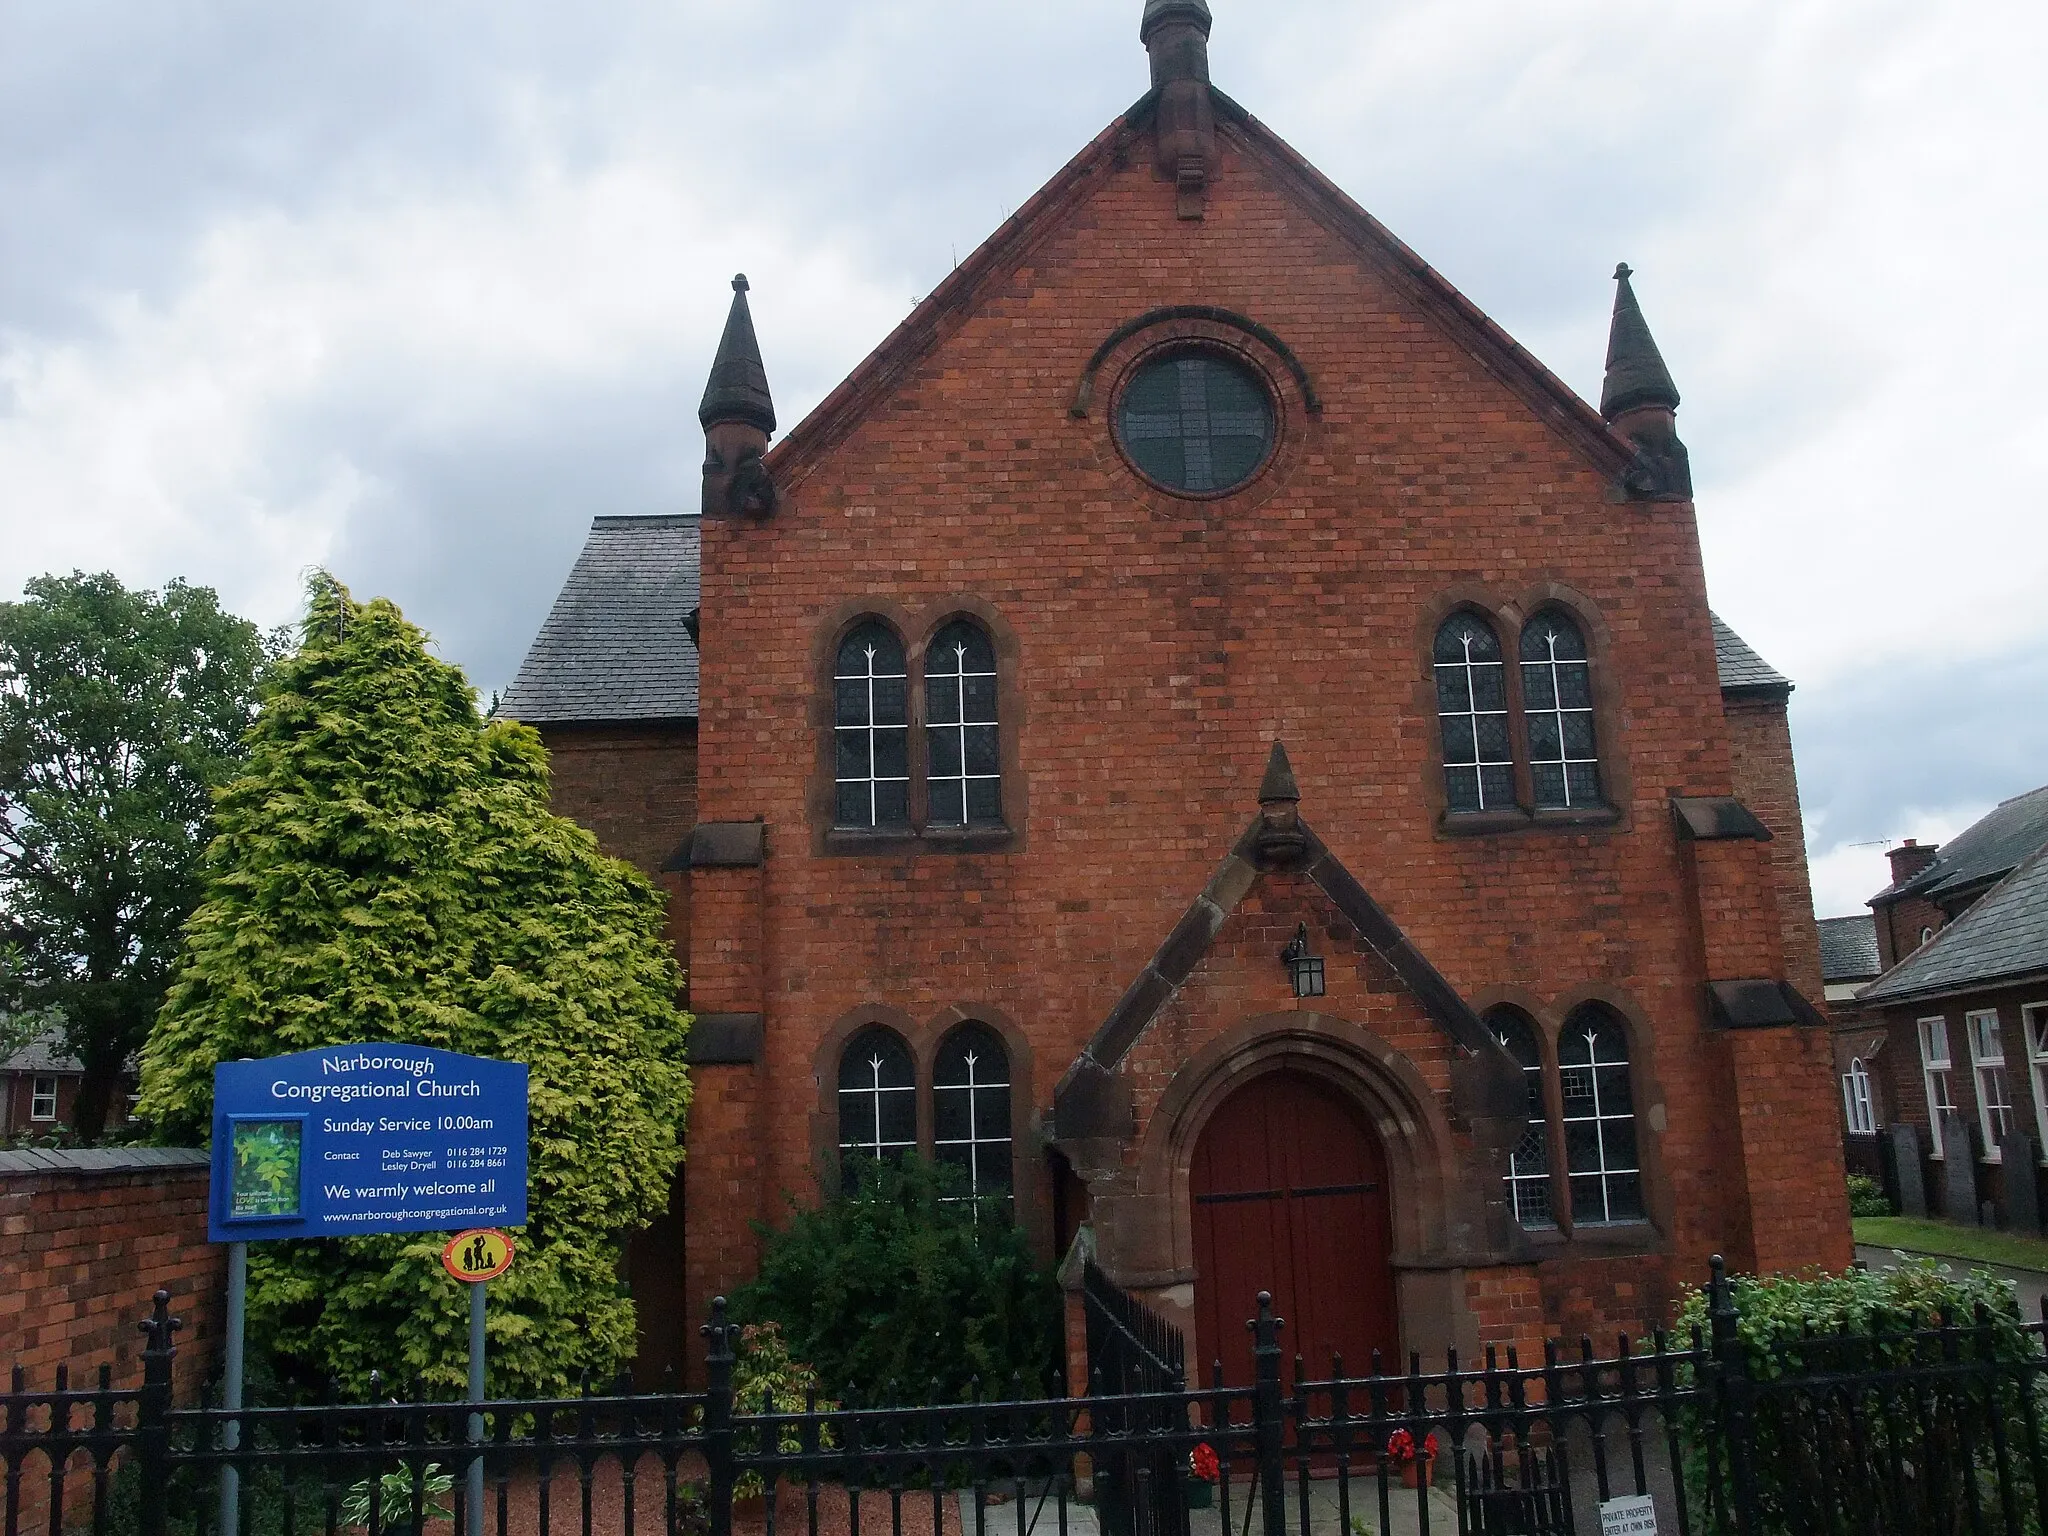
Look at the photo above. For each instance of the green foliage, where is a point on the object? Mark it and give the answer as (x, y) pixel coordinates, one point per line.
(766, 1379)
(1810, 1447)
(396, 1502)
(388, 870)
(1866, 1197)
(120, 714)
(901, 1284)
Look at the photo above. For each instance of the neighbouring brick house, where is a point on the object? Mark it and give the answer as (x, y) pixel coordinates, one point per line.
(39, 1090)
(952, 727)
(1848, 964)
(1960, 1080)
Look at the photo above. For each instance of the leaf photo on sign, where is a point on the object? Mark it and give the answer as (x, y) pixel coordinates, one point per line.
(264, 1176)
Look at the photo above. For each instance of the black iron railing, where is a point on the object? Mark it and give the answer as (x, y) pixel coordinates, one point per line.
(1920, 1425)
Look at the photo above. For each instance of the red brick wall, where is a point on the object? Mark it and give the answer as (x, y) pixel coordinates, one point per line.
(1767, 781)
(1161, 645)
(85, 1239)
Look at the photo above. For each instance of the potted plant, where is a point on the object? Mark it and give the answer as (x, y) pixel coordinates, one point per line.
(1417, 1466)
(1198, 1487)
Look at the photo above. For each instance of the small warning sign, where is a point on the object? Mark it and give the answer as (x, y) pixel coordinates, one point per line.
(1632, 1516)
(482, 1254)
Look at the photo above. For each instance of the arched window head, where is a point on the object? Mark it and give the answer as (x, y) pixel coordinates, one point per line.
(1857, 1104)
(1529, 1163)
(1557, 696)
(1599, 1119)
(962, 766)
(1472, 707)
(871, 729)
(971, 1108)
(877, 1101)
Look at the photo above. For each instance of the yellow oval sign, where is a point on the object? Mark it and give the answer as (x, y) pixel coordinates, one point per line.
(481, 1254)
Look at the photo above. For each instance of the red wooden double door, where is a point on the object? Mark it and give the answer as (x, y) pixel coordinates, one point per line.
(1289, 1185)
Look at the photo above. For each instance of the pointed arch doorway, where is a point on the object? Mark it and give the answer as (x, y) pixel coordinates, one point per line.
(1289, 1189)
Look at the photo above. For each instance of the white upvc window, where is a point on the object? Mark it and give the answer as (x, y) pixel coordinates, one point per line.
(1987, 1062)
(2034, 1018)
(42, 1098)
(1934, 1069)
(1856, 1101)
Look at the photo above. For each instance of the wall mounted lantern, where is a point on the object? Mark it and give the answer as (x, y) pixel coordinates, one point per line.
(1305, 969)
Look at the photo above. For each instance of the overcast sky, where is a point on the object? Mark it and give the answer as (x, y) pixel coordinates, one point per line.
(414, 290)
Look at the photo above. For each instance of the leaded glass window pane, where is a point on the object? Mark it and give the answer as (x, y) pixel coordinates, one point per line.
(963, 762)
(871, 730)
(1599, 1120)
(1197, 422)
(1479, 772)
(877, 1101)
(971, 1109)
(1529, 1163)
(1557, 696)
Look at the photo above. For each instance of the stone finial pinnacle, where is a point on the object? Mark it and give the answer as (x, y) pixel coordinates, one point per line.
(1278, 785)
(1636, 375)
(738, 388)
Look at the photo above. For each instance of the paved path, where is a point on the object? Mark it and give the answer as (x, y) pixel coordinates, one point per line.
(2031, 1284)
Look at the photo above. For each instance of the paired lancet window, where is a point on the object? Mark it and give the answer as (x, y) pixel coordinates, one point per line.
(1477, 710)
(959, 766)
(964, 1124)
(1593, 1124)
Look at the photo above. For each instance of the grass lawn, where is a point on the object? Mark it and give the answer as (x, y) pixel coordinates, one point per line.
(1977, 1243)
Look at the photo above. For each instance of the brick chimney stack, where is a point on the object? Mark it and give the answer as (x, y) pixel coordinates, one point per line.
(1909, 858)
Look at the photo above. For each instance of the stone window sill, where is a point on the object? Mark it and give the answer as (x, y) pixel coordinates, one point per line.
(902, 840)
(1515, 819)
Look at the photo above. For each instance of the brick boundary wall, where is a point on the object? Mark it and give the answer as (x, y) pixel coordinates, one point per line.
(85, 1238)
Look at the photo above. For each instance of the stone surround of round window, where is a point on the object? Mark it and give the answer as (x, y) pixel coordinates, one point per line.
(1196, 421)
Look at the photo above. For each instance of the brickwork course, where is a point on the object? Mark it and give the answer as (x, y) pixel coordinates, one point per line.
(1151, 650)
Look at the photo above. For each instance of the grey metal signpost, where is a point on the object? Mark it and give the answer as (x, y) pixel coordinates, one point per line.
(352, 1140)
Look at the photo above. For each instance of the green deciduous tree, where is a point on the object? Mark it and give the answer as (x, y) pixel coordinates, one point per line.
(387, 870)
(120, 714)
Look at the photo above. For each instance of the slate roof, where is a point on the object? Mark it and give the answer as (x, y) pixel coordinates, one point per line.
(1984, 850)
(2004, 937)
(1740, 667)
(1848, 947)
(45, 1053)
(614, 647)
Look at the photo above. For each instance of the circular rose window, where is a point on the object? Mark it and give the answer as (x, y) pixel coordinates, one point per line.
(1196, 422)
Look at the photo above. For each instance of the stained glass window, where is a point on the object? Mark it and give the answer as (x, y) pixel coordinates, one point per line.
(1196, 421)
(877, 1101)
(1472, 710)
(1557, 695)
(963, 769)
(1529, 1163)
(971, 1108)
(1599, 1119)
(871, 730)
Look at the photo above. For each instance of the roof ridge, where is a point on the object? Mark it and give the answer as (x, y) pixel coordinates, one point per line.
(1979, 914)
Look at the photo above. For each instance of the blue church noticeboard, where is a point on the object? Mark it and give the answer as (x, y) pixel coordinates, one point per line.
(352, 1140)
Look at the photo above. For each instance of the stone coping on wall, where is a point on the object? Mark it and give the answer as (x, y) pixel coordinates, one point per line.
(101, 1159)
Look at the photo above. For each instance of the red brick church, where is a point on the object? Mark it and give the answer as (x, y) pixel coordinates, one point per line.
(1205, 733)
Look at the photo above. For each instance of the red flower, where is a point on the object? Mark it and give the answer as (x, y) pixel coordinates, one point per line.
(1203, 1465)
(1401, 1446)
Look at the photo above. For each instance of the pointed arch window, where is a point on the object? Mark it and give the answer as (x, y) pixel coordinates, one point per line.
(1529, 1163)
(1557, 697)
(963, 767)
(1472, 711)
(1599, 1120)
(971, 1109)
(877, 1101)
(871, 729)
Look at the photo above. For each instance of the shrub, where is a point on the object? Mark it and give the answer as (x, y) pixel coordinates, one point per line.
(766, 1379)
(1866, 1197)
(906, 1286)
(387, 869)
(1813, 1448)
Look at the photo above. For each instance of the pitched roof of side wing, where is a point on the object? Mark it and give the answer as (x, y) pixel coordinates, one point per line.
(2003, 939)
